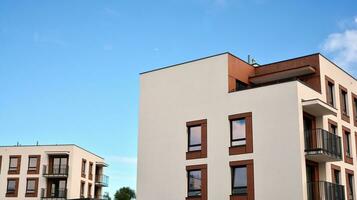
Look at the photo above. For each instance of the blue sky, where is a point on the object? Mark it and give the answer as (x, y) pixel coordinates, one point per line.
(69, 69)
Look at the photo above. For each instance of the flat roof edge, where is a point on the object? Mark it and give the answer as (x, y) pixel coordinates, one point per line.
(189, 61)
(51, 145)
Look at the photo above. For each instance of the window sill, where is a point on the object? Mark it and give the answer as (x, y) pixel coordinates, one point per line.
(33, 171)
(345, 117)
(239, 197)
(237, 150)
(195, 155)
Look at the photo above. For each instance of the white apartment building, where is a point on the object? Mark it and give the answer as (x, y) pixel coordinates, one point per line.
(55, 172)
(219, 128)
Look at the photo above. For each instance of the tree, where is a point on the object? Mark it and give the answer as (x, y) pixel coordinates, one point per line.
(106, 196)
(125, 193)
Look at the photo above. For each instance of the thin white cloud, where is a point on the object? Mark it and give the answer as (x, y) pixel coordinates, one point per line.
(342, 47)
(122, 160)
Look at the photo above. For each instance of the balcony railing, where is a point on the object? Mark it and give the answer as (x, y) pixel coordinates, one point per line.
(55, 171)
(322, 190)
(55, 194)
(322, 146)
(102, 180)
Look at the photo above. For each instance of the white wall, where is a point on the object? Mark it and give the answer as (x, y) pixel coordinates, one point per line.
(197, 90)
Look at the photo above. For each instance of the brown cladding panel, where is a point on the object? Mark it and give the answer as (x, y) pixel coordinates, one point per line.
(238, 70)
(313, 80)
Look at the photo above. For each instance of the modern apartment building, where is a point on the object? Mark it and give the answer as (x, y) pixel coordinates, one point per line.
(219, 128)
(50, 172)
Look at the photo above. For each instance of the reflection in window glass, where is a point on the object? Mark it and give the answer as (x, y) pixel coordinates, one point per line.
(238, 132)
(240, 180)
(11, 185)
(30, 186)
(194, 138)
(194, 183)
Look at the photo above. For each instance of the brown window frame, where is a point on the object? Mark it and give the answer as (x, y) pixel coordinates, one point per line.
(331, 102)
(348, 158)
(344, 116)
(38, 161)
(90, 171)
(204, 180)
(0, 163)
(15, 193)
(32, 194)
(332, 123)
(349, 172)
(18, 167)
(248, 147)
(199, 153)
(249, 164)
(82, 189)
(83, 167)
(333, 169)
(89, 192)
(354, 106)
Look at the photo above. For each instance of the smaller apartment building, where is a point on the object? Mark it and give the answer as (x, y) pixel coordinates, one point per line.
(50, 172)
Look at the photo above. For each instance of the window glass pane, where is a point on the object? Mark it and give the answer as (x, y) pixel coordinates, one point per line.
(11, 185)
(194, 183)
(33, 162)
(240, 177)
(238, 132)
(13, 162)
(30, 185)
(348, 150)
(195, 135)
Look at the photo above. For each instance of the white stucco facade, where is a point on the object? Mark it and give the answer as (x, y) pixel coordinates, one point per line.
(172, 96)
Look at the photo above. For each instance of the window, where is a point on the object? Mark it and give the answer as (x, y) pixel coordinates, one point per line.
(0, 163)
(241, 133)
(344, 104)
(240, 85)
(330, 91)
(194, 138)
(12, 187)
(59, 165)
(354, 101)
(197, 182)
(90, 170)
(238, 132)
(14, 164)
(89, 190)
(33, 165)
(31, 187)
(242, 179)
(197, 139)
(336, 174)
(350, 184)
(194, 183)
(82, 189)
(83, 170)
(239, 180)
(347, 145)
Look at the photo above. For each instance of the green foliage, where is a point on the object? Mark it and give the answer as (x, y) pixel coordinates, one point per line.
(125, 193)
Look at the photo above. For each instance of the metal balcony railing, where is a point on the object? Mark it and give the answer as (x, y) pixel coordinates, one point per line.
(55, 171)
(54, 194)
(101, 179)
(322, 142)
(322, 190)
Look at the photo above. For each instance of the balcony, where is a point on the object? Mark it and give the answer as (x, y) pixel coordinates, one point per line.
(322, 146)
(322, 190)
(60, 171)
(59, 194)
(101, 180)
(318, 108)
